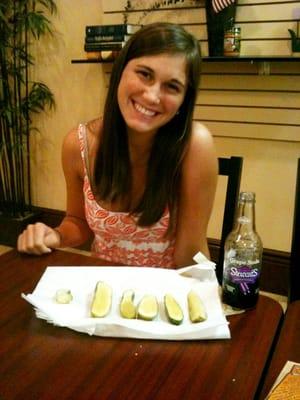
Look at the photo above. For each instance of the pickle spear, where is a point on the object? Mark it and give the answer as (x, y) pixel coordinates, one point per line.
(127, 307)
(102, 300)
(196, 307)
(147, 308)
(173, 310)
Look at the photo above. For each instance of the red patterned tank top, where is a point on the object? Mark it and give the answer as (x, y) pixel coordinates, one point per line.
(117, 237)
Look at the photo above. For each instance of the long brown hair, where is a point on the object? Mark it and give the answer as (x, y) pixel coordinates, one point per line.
(112, 172)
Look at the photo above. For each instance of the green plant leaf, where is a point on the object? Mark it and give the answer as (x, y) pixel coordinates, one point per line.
(38, 24)
(21, 23)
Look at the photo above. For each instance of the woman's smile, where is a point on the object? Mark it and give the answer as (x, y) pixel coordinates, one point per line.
(143, 110)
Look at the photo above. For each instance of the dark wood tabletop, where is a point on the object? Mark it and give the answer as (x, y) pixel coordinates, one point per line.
(43, 361)
(287, 348)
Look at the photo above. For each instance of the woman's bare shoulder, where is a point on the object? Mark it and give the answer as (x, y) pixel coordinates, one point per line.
(201, 143)
(94, 131)
(201, 154)
(71, 142)
(94, 127)
(201, 135)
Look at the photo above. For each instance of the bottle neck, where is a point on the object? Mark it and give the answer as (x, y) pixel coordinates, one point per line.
(245, 220)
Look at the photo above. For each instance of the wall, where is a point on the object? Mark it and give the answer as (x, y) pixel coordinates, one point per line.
(77, 92)
(250, 113)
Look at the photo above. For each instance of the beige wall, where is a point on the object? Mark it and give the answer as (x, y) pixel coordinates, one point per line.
(269, 170)
(77, 90)
(269, 152)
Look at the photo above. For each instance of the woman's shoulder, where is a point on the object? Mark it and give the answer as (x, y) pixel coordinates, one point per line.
(70, 142)
(94, 127)
(201, 141)
(201, 150)
(201, 135)
(92, 132)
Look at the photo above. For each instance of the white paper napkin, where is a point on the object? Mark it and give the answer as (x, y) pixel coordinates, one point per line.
(157, 281)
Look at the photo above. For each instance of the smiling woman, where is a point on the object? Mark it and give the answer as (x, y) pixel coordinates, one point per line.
(150, 96)
(142, 178)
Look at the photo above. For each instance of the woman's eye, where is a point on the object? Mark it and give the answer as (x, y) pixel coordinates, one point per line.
(172, 87)
(144, 74)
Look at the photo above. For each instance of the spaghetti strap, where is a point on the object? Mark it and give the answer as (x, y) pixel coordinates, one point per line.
(82, 135)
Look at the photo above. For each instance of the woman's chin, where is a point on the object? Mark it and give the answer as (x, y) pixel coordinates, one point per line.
(142, 127)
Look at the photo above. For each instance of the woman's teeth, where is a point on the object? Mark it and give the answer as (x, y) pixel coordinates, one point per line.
(144, 110)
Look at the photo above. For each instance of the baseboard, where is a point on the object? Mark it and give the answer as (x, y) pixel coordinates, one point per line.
(275, 271)
(11, 227)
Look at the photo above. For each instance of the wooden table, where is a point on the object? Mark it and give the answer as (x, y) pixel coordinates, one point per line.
(42, 361)
(287, 348)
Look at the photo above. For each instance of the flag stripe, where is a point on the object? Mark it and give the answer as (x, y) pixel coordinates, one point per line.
(219, 5)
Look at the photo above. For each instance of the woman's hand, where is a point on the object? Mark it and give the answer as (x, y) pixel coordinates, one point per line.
(38, 239)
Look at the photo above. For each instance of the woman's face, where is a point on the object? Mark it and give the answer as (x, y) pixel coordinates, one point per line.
(151, 90)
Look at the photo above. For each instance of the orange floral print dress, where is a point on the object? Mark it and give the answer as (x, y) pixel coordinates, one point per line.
(117, 237)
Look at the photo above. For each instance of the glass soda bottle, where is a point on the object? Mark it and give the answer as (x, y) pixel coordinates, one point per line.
(242, 257)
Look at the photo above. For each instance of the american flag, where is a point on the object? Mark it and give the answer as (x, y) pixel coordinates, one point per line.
(219, 5)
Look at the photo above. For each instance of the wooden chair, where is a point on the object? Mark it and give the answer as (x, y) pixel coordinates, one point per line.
(288, 345)
(294, 278)
(232, 168)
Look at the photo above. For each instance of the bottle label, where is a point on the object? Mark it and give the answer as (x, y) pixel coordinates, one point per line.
(232, 42)
(243, 276)
(240, 284)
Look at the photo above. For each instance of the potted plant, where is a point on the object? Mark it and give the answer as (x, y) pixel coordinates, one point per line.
(295, 40)
(21, 23)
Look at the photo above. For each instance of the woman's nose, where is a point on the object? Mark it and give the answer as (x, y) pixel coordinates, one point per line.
(152, 94)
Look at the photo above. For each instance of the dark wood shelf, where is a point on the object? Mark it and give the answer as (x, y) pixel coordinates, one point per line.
(251, 59)
(89, 61)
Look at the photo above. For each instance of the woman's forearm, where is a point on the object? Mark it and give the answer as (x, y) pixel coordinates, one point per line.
(73, 231)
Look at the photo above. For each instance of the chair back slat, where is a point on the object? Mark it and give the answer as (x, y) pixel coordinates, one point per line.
(294, 284)
(232, 168)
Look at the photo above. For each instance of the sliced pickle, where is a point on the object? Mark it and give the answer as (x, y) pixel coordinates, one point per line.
(63, 296)
(102, 300)
(173, 310)
(196, 307)
(147, 308)
(127, 307)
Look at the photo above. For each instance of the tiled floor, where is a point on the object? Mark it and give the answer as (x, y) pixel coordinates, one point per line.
(281, 299)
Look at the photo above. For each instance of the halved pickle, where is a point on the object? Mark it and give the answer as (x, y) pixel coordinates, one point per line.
(147, 308)
(102, 300)
(127, 307)
(196, 307)
(173, 310)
